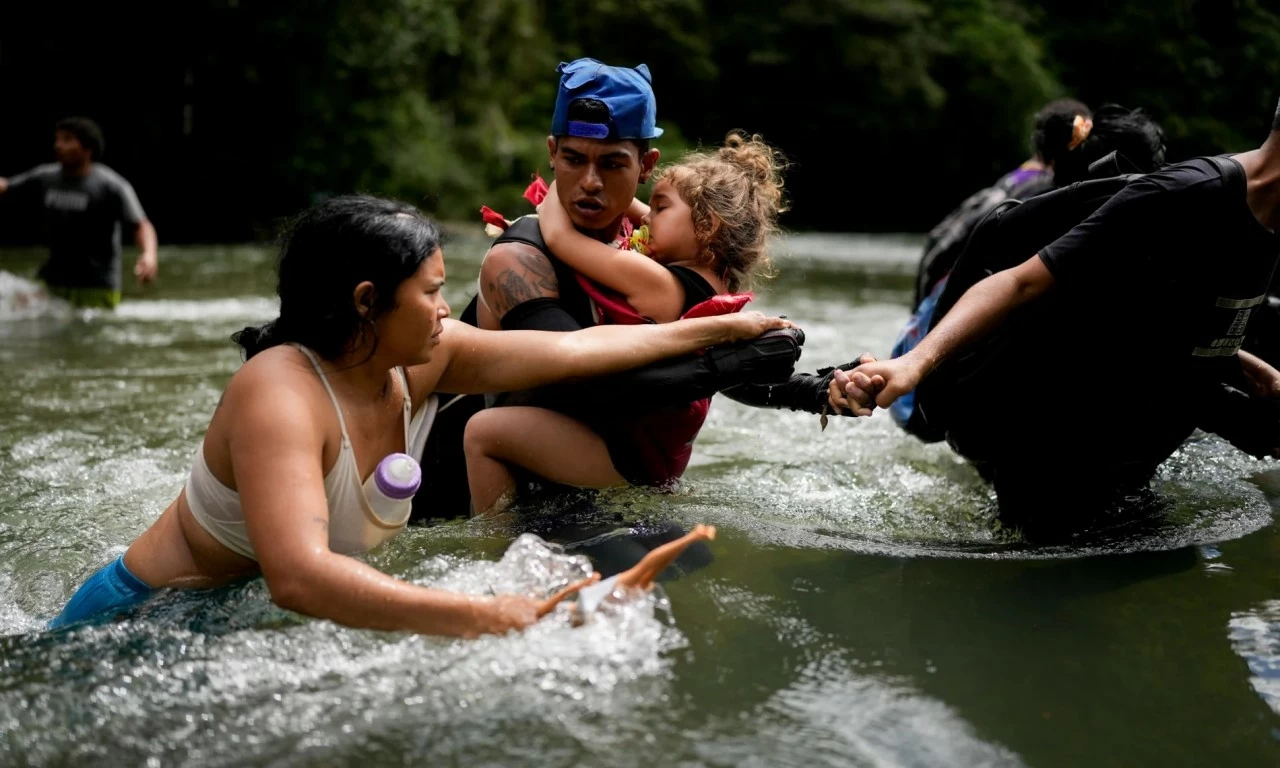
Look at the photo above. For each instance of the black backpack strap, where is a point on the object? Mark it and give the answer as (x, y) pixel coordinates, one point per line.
(524, 230)
(1232, 174)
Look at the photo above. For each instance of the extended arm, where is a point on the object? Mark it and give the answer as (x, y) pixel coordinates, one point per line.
(1087, 252)
(756, 368)
(982, 309)
(521, 280)
(14, 183)
(507, 361)
(802, 392)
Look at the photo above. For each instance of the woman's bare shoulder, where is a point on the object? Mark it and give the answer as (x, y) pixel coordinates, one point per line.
(278, 386)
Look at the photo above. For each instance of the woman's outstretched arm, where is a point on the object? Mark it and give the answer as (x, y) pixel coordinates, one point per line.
(508, 361)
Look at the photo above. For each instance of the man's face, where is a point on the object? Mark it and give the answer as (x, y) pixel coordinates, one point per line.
(68, 150)
(596, 180)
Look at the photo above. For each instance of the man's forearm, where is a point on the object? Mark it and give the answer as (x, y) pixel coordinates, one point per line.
(669, 382)
(145, 238)
(762, 364)
(982, 309)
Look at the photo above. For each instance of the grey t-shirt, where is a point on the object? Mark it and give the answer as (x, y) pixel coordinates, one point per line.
(83, 216)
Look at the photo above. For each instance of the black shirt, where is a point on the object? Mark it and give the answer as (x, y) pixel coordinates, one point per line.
(1182, 246)
(1153, 297)
(696, 288)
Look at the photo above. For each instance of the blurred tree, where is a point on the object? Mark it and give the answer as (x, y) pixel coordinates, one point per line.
(228, 114)
(1208, 70)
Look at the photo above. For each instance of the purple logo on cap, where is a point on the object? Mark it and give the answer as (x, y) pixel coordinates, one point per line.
(588, 130)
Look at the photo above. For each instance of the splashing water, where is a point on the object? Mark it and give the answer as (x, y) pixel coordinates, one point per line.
(24, 300)
(859, 606)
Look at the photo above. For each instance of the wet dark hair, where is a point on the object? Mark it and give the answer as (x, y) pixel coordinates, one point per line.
(324, 254)
(1054, 125)
(595, 111)
(86, 132)
(1131, 132)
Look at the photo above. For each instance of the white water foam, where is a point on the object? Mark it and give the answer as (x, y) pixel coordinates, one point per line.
(22, 299)
(254, 308)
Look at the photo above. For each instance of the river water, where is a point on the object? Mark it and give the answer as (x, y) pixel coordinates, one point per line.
(861, 606)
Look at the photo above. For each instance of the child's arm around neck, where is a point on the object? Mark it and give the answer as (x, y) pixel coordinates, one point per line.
(648, 287)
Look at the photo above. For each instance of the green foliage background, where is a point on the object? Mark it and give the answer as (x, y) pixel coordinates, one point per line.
(227, 114)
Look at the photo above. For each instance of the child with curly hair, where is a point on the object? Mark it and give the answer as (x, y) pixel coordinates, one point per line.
(704, 238)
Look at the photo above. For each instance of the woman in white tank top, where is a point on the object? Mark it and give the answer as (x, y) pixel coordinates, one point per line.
(344, 377)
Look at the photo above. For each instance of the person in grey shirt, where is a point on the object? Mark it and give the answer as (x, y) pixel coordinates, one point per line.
(86, 206)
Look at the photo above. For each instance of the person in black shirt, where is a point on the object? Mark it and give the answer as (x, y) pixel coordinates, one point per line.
(1137, 314)
(1119, 141)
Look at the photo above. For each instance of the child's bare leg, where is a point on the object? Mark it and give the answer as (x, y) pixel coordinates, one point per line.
(643, 574)
(549, 444)
(489, 480)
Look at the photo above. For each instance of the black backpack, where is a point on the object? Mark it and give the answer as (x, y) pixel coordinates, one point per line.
(1009, 235)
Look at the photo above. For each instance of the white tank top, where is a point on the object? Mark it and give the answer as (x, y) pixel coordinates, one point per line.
(353, 525)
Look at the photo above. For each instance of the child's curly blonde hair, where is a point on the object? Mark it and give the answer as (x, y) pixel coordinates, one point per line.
(735, 194)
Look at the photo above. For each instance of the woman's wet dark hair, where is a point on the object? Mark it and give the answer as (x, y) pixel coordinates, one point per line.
(1130, 132)
(324, 254)
(1054, 125)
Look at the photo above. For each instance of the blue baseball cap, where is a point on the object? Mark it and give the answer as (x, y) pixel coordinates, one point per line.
(627, 93)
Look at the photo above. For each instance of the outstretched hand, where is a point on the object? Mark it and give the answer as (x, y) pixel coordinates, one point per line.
(876, 383)
(837, 379)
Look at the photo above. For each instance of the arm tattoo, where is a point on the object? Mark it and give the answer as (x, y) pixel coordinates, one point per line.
(532, 278)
